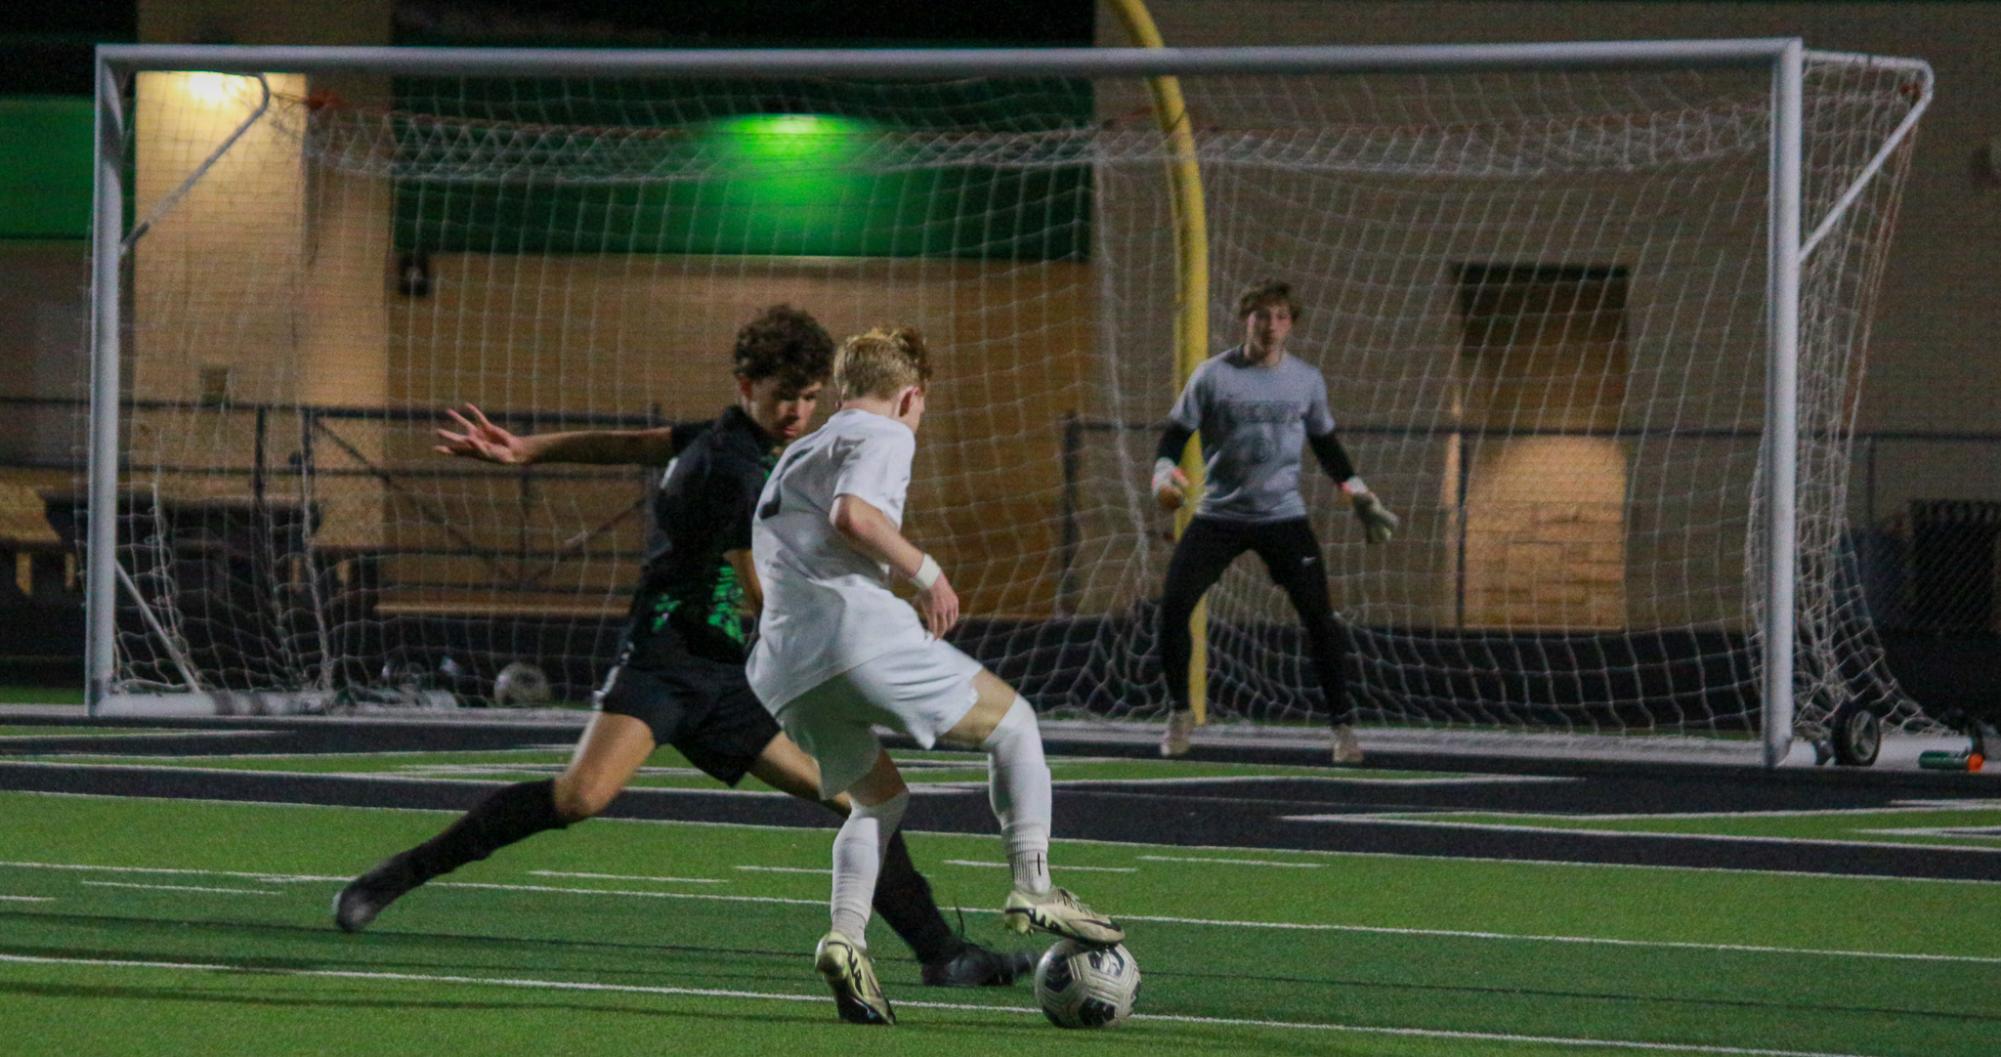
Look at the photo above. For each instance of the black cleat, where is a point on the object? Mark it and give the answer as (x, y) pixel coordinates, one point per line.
(371, 893)
(977, 966)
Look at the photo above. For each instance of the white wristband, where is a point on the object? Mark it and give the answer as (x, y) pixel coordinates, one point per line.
(927, 573)
(1354, 486)
(1163, 473)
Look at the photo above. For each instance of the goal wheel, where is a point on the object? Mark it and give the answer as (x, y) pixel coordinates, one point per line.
(1857, 735)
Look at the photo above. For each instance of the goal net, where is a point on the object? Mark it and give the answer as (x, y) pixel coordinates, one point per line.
(1541, 298)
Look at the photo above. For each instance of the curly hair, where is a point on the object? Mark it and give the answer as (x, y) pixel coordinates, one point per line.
(1267, 292)
(786, 343)
(880, 362)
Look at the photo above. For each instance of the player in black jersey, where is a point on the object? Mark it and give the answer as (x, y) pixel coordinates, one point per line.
(679, 679)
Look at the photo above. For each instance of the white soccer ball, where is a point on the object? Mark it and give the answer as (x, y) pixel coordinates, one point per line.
(520, 684)
(1081, 986)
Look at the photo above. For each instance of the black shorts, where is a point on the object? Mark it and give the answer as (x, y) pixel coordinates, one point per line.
(703, 707)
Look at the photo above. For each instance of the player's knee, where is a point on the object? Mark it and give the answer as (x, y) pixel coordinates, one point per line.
(1018, 722)
(579, 798)
(887, 814)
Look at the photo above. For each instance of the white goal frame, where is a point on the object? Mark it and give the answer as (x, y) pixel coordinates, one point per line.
(1783, 57)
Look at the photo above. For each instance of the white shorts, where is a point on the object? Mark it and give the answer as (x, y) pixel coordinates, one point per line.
(923, 692)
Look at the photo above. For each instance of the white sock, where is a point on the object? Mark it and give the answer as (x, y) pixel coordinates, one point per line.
(1018, 784)
(858, 852)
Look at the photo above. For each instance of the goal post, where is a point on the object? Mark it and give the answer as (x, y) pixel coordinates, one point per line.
(1537, 277)
(1191, 296)
(1782, 403)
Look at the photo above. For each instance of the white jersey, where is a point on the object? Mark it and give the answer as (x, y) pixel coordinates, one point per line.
(827, 606)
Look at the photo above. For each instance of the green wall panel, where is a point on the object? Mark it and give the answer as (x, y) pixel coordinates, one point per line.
(45, 167)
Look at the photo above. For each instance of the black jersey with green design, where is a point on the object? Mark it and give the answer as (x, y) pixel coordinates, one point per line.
(701, 512)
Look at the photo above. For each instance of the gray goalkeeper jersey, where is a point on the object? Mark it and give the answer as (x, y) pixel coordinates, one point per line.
(1253, 422)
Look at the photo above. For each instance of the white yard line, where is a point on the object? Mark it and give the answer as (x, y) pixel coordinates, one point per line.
(109, 734)
(498, 768)
(1344, 779)
(821, 870)
(1626, 834)
(182, 888)
(273, 878)
(346, 776)
(303, 755)
(627, 877)
(1065, 868)
(626, 892)
(767, 996)
(1942, 832)
(1233, 862)
(27, 899)
(1895, 807)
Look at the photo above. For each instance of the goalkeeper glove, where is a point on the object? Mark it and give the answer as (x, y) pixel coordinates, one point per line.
(1170, 485)
(1376, 518)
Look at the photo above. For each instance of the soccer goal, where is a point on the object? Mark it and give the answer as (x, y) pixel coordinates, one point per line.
(1593, 318)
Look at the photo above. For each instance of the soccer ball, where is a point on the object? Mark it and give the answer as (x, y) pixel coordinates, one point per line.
(520, 684)
(1081, 986)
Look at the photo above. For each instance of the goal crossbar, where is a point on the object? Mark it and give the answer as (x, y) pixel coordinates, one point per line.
(1031, 62)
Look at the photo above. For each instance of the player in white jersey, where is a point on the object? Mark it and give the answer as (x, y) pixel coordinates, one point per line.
(838, 654)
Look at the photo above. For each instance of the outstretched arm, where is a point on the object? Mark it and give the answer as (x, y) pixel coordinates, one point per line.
(478, 438)
(870, 531)
(1376, 518)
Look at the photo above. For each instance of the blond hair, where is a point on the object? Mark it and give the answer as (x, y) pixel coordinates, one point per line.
(881, 362)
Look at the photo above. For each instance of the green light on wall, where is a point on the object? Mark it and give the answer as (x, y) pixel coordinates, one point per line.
(792, 184)
(775, 138)
(772, 185)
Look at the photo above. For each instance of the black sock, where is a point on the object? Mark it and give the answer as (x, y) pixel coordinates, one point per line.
(903, 899)
(508, 815)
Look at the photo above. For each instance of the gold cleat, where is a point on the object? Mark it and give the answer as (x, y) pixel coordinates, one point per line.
(857, 993)
(1057, 911)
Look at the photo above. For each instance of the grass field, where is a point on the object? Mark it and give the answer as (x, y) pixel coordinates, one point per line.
(187, 926)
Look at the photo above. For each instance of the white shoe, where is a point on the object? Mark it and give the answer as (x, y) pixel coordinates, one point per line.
(1175, 741)
(1347, 750)
(1057, 911)
(857, 993)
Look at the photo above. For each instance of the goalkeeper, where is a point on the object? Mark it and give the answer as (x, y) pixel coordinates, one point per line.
(679, 678)
(1255, 407)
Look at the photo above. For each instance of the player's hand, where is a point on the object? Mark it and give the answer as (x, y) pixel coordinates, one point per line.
(1375, 517)
(481, 440)
(1170, 485)
(938, 606)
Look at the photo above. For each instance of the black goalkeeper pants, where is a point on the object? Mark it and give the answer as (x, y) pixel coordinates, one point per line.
(1292, 555)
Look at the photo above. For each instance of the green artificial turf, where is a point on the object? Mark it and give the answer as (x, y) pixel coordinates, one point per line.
(696, 938)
